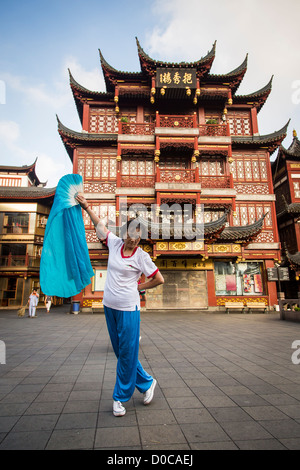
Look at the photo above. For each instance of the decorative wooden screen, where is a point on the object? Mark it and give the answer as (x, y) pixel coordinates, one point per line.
(5, 181)
(211, 167)
(105, 211)
(137, 172)
(246, 214)
(97, 165)
(296, 185)
(173, 163)
(103, 120)
(239, 123)
(249, 167)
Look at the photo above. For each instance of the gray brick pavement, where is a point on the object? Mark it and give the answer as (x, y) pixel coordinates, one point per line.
(224, 382)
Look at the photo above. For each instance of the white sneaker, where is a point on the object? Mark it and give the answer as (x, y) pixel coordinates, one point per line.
(148, 395)
(118, 409)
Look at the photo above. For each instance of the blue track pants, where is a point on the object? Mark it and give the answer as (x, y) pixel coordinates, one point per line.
(124, 332)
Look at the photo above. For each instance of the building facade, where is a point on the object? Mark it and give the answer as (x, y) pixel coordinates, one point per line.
(175, 144)
(286, 178)
(24, 208)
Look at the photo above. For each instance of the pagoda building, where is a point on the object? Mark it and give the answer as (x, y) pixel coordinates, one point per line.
(286, 180)
(171, 144)
(25, 204)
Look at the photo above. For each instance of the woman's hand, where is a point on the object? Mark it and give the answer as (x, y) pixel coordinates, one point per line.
(156, 280)
(94, 218)
(82, 201)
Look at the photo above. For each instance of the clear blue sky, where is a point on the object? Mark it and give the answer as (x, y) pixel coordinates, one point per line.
(40, 39)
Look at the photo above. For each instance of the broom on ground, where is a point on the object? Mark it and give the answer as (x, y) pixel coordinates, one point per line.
(21, 311)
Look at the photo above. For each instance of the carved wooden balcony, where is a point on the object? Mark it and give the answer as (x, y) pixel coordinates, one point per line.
(175, 121)
(13, 261)
(213, 130)
(176, 176)
(210, 182)
(129, 128)
(137, 181)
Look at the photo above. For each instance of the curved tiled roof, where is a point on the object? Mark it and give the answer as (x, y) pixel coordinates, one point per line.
(271, 140)
(293, 150)
(233, 78)
(30, 192)
(292, 208)
(243, 232)
(160, 63)
(209, 229)
(28, 169)
(111, 74)
(84, 136)
(72, 138)
(258, 97)
(80, 93)
(294, 259)
(214, 230)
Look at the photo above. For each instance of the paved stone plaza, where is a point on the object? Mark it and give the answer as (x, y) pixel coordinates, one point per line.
(224, 382)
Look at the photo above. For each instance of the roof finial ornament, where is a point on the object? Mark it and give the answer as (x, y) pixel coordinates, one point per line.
(294, 133)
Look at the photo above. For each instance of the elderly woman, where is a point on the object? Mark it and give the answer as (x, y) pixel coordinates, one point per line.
(121, 302)
(33, 301)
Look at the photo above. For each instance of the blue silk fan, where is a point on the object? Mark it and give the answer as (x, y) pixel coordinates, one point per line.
(65, 264)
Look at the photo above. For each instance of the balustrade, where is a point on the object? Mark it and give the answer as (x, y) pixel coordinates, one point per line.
(138, 181)
(176, 176)
(213, 130)
(145, 128)
(163, 120)
(176, 121)
(10, 261)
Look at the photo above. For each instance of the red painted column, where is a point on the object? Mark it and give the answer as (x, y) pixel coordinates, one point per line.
(140, 114)
(85, 117)
(297, 232)
(211, 292)
(254, 121)
(271, 285)
(75, 161)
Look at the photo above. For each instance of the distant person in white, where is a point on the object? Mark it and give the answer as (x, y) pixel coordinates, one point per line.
(121, 302)
(32, 302)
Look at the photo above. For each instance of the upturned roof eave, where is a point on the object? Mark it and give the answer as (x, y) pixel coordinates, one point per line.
(243, 232)
(153, 63)
(72, 138)
(258, 97)
(30, 192)
(272, 140)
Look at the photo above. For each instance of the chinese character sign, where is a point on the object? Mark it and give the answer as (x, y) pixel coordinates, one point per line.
(176, 78)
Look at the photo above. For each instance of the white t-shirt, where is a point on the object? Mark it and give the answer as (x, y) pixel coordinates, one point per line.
(123, 272)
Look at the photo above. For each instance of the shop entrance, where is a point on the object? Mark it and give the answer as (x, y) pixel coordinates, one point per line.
(182, 289)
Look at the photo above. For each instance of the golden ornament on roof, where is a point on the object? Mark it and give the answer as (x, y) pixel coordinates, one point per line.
(188, 92)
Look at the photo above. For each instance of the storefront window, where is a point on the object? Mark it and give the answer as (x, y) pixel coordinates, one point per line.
(238, 278)
(15, 222)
